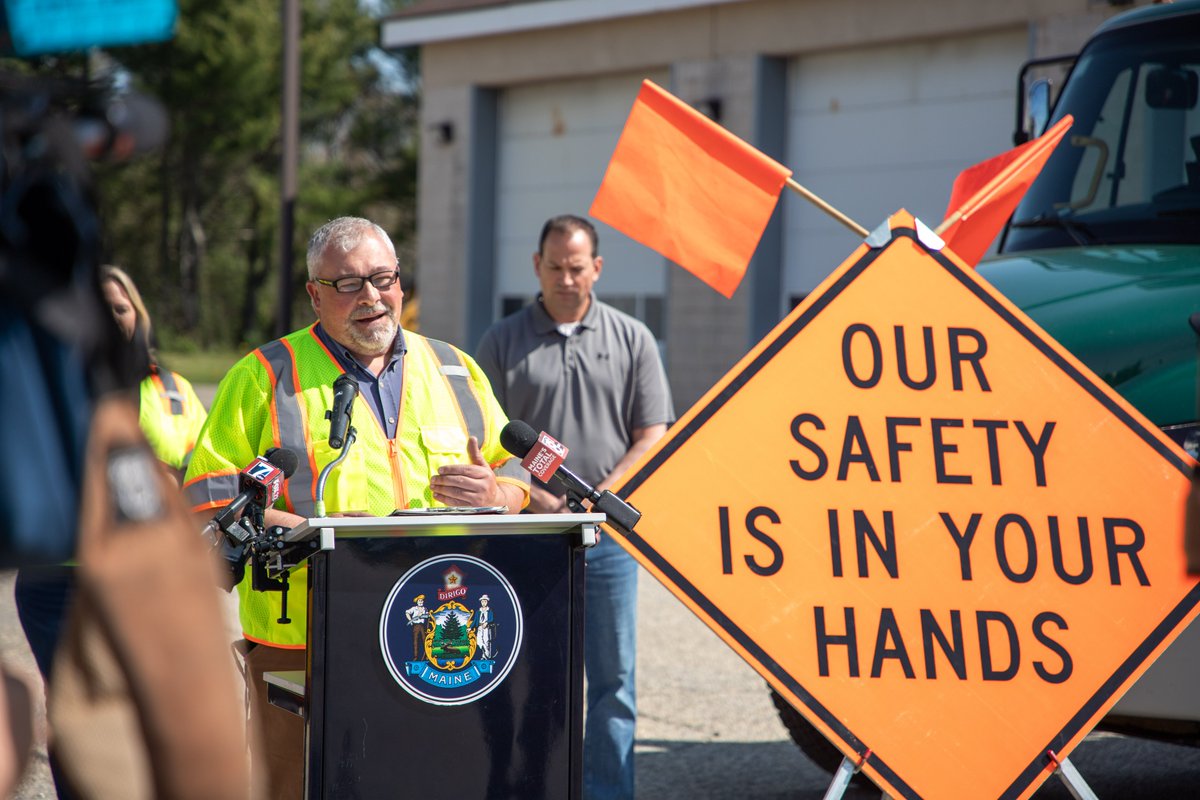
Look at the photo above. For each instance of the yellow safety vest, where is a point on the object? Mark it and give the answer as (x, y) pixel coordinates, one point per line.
(170, 415)
(277, 397)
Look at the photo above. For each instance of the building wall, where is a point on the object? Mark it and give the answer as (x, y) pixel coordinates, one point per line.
(716, 51)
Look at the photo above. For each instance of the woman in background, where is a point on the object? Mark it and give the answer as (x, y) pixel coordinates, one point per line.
(171, 416)
(170, 413)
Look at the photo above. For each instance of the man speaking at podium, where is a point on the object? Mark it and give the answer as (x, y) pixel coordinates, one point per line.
(428, 430)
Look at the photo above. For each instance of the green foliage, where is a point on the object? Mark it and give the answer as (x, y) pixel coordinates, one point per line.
(200, 366)
(197, 224)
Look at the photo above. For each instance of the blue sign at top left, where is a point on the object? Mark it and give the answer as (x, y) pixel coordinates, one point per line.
(34, 27)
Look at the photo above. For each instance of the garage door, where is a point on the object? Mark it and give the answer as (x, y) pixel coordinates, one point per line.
(555, 141)
(876, 129)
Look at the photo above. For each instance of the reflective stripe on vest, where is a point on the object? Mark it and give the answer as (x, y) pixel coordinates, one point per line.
(457, 376)
(289, 419)
(170, 390)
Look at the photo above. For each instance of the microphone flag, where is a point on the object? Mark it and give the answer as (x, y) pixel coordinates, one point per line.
(265, 477)
(545, 457)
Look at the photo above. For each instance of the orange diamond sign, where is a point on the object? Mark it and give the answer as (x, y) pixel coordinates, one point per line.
(925, 523)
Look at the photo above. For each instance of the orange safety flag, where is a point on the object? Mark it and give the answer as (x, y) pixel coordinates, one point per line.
(985, 195)
(689, 189)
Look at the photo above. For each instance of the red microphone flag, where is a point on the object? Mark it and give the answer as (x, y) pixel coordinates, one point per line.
(689, 189)
(545, 457)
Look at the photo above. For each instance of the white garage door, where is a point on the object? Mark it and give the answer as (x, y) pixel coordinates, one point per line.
(555, 141)
(877, 129)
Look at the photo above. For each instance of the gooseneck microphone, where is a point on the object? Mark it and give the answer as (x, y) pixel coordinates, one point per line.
(341, 432)
(543, 456)
(345, 389)
(260, 483)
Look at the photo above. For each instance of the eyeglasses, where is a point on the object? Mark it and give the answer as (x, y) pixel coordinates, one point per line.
(352, 284)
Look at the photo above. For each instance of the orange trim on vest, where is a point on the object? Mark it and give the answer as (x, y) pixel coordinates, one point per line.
(160, 390)
(276, 645)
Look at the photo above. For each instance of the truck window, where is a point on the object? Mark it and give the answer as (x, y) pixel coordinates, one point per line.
(1129, 170)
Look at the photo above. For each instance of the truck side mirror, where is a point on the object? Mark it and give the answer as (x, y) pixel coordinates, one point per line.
(1035, 96)
(1038, 105)
(1171, 87)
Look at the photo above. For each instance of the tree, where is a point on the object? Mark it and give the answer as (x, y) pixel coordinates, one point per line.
(197, 225)
(452, 630)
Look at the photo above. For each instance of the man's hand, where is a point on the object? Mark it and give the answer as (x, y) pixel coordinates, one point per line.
(543, 501)
(471, 484)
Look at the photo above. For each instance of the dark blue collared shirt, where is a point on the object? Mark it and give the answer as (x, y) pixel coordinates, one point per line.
(382, 393)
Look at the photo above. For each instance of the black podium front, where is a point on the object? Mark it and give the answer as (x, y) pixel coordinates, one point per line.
(445, 656)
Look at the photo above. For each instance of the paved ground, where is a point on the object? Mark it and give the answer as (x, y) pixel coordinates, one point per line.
(15, 654)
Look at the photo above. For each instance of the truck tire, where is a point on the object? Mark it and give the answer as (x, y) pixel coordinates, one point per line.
(810, 741)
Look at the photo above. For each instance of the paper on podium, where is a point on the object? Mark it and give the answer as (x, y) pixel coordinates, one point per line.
(420, 512)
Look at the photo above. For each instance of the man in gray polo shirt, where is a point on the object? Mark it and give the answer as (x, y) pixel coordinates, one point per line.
(591, 377)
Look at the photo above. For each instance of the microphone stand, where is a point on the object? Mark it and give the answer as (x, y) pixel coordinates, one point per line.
(268, 573)
(319, 505)
(621, 515)
(575, 503)
(272, 557)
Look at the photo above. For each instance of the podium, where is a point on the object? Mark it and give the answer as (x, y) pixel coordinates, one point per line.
(445, 655)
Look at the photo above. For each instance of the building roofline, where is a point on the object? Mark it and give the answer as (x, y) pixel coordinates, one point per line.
(467, 21)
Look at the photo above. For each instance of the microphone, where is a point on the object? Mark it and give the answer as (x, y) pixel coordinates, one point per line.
(345, 389)
(543, 456)
(259, 483)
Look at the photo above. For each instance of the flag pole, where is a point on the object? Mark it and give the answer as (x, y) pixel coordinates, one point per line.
(948, 221)
(828, 209)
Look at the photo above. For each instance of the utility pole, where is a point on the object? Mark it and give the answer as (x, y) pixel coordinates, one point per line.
(289, 136)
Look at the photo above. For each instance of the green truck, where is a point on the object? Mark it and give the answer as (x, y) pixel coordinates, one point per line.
(1104, 253)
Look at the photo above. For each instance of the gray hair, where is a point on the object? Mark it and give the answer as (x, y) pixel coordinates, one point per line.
(345, 234)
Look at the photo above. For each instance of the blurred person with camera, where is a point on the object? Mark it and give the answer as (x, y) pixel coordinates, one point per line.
(170, 415)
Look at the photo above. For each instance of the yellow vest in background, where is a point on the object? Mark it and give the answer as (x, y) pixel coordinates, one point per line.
(170, 415)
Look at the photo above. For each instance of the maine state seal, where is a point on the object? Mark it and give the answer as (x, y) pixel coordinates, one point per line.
(451, 629)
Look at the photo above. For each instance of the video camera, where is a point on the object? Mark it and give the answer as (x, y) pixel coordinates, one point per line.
(58, 342)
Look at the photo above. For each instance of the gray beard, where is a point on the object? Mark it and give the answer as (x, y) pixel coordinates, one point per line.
(378, 341)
